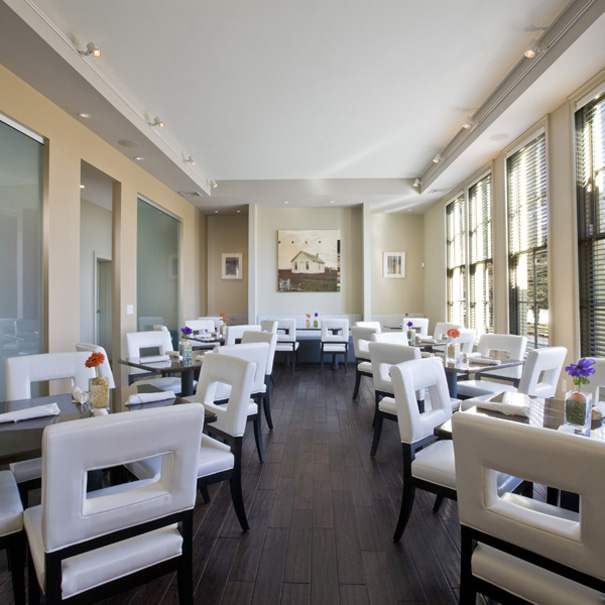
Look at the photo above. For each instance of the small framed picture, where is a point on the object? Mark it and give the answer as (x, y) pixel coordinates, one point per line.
(231, 265)
(393, 264)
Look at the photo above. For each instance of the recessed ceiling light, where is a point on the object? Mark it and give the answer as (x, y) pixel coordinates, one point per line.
(82, 186)
(216, 212)
(237, 211)
(84, 115)
(286, 202)
(332, 202)
(139, 158)
(128, 143)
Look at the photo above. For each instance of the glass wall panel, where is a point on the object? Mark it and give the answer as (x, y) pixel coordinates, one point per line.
(21, 301)
(158, 288)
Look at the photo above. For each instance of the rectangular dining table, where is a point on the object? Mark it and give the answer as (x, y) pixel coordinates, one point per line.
(186, 369)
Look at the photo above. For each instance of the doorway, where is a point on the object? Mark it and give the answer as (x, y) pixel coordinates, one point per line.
(103, 306)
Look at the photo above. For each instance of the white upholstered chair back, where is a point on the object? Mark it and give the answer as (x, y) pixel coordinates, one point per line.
(577, 540)
(421, 324)
(412, 376)
(327, 327)
(369, 324)
(362, 336)
(70, 449)
(541, 371)
(441, 328)
(466, 340)
(503, 345)
(215, 319)
(238, 374)
(255, 352)
(236, 332)
(396, 338)
(269, 325)
(104, 368)
(270, 338)
(383, 355)
(597, 380)
(160, 339)
(22, 371)
(286, 330)
(201, 325)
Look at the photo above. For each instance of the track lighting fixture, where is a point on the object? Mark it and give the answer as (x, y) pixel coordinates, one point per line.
(214, 184)
(91, 49)
(533, 49)
(189, 160)
(417, 182)
(437, 159)
(468, 122)
(157, 122)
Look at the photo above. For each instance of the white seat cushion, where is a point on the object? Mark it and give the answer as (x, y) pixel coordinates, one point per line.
(529, 581)
(11, 509)
(165, 383)
(215, 457)
(287, 346)
(365, 367)
(387, 404)
(436, 464)
(476, 388)
(334, 348)
(97, 567)
(26, 470)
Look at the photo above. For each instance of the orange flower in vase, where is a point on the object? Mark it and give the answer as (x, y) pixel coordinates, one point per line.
(453, 348)
(99, 385)
(453, 332)
(308, 322)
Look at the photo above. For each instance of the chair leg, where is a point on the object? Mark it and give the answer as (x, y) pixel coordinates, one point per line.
(185, 570)
(321, 359)
(204, 491)
(16, 560)
(235, 483)
(377, 398)
(258, 437)
(33, 587)
(438, 502)
(357, 382)
(377, 433)
(407, 502)
(267, 407)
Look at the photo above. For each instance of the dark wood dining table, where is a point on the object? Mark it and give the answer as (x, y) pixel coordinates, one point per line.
(23, 440)
(186, 369)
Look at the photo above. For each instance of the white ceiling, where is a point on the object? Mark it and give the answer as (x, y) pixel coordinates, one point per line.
(302, 100)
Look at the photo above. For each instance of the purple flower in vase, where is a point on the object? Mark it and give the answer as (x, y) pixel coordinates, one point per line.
(186, 331)
(410, 324)
(581, 371)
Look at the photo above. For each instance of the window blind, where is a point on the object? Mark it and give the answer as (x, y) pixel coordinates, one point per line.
(480, 256)
(590, 185)
(527, 242)
(456, 260)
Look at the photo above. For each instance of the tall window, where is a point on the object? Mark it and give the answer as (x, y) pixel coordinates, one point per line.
(469, 258)
(527, 242)
(480, 255)
(456, 260)
(590, 183)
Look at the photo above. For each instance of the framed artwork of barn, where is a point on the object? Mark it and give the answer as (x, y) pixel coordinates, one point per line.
(308, 260)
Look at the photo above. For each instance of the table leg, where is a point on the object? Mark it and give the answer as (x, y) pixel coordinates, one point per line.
(186, 383)
(452, 383)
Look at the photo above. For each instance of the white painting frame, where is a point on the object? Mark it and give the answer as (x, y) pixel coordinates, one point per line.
(393, 264)
(231, 265)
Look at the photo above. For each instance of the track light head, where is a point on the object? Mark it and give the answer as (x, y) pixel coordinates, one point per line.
(91, 49)
(468, 122)
(189, 160)
(214, 184)
(437, 158)
(533, 50)
(157, 122)
(417, 182)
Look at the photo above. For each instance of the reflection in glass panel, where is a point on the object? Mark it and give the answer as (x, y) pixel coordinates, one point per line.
(157, 269)
(21, 305)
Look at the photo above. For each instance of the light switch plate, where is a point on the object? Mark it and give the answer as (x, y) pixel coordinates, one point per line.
(129, 309)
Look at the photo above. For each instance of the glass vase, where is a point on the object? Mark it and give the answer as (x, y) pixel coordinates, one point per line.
(452, 352)
(578, 409)
(185, 350)
(99, 392)
(411, 337)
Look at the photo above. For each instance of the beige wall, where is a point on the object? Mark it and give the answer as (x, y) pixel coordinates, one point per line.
(68, 143)
(397, 233)
(268, 222)
(228, 296)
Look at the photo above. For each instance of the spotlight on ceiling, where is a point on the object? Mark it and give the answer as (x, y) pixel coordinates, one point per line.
(533, 49)
(437, 158)
(468, 122)
(214, 184)
(417, 182)
(157, 122)
(91, 49)
(189, 160)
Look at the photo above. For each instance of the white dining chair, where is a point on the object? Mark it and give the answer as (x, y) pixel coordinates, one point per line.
(376, 325)
(420, 324)
(201, 325)
(441, 329)
(362, 336)
(519, 549)
(90, 545)
(334, 340)
(105, 367)
(286, 340)
(395, 338)
(234, 333)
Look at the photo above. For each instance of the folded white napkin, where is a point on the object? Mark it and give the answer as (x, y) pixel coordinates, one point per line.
(173, 355)
(152, 358)
(149, 397)
(506, 406)
(486, 361)
(199, 358)
(38, 411)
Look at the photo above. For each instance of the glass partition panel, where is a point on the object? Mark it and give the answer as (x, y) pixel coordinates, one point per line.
(157, 269)
(21, 302)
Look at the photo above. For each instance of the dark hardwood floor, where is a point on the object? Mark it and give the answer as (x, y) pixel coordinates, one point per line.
(321, 511)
